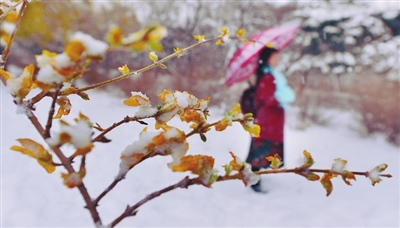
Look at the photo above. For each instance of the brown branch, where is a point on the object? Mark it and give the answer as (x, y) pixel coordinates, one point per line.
(126, 119)
(132, 210)
(117, 180)
(155, 64)
(2, 16)
(186, 182)
(7, 50)
(46, 133)
(68, 166)
(39, 97)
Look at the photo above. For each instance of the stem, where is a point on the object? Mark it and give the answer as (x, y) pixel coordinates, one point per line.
(155, 64)
(51, 114)
(7, 50)
(117, 180)
(186, 182)
(127, 119)
(90, 205)
(131, 211)
(10, 9)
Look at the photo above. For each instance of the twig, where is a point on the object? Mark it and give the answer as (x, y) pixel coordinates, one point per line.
(67, 164)
(132, 210)
(117, 180)
(186, 182)
(155, 64)
(46, 133)
(2, 16)
(39, 97)
(126, 119)
(7, 50)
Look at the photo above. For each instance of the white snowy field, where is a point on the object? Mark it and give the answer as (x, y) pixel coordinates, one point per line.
(32, 198)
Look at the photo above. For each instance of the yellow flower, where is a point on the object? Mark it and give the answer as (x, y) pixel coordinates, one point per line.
(201, 165)
(374, 173)
(200, 38)
(137, 99)
(21, 86)
(222, 124)
(179, 51)
(114, 36)
(44, 58)
(308, 160)
(124, 69)
(223, 36)
(148, 37)
(153, 56)
(72, 180)
(240, 32)
(65, 107)
(36, 151)
(327, 183)
(12, 16)
(224, 32)
(275, 161)
(74, 50)
(253, 129)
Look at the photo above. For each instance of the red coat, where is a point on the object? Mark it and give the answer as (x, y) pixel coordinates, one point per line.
(270, 115)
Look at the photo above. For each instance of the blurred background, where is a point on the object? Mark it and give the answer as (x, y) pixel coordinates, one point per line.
(346, 56)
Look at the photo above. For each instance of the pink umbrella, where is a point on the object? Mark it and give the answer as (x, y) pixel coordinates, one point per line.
(244, 62)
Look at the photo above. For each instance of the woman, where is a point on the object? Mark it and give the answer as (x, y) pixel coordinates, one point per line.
(272, 96)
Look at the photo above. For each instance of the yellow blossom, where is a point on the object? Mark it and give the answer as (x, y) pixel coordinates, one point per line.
(21, 86)
(44, 58)
(275, 161)
(153, 56)
(327, 183)
(240, 32)
(72, 180)
(146, 38)
(74, 50)
(200, 38)
(179, 51)
(12, 16)
(36, 151)
(374, 173)
(253, 129)
(124, 69)
(308, 160)
(65, 107)
(114, 36)
(137, 99)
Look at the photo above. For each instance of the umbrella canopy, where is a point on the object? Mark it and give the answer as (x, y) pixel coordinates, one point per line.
(244, 62)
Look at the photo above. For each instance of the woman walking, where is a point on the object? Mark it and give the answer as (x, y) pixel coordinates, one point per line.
(272, 96)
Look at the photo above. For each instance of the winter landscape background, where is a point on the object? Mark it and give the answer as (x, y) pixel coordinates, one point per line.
(344, 65)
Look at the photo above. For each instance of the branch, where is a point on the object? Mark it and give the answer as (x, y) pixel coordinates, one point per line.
(117, 180)
(67, 164)
(132, 210)
(186, 182)
(126, 119)
(46, 133)
(7, 50)
(155, 64)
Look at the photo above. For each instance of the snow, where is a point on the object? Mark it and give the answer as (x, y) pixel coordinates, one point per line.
(32, 198)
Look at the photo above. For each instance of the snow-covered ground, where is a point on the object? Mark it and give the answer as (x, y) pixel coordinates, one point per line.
(32, 198)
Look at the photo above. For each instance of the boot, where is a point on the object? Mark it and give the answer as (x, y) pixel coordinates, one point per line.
(257, 187)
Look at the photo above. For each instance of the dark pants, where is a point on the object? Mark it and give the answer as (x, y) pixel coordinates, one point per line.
(260, 149)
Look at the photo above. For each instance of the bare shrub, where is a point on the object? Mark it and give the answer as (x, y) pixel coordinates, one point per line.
(378, 105)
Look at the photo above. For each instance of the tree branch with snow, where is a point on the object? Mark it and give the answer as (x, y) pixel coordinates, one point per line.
(54, 77)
